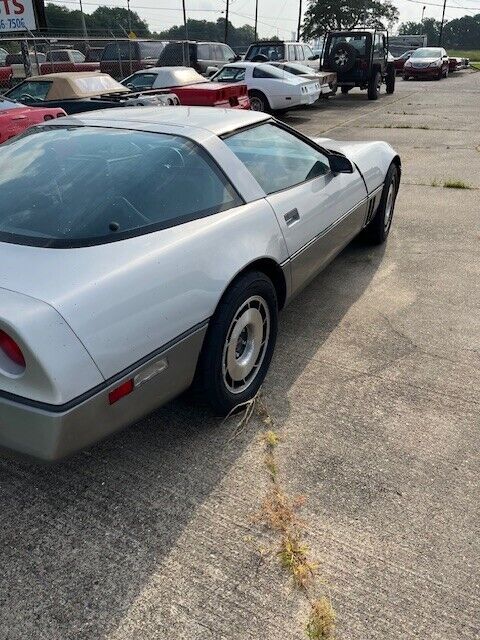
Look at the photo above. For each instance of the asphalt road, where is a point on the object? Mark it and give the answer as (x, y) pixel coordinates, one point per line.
(374, 390)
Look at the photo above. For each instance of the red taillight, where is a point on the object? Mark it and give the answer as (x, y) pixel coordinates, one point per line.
(119, 392)
(11, 349)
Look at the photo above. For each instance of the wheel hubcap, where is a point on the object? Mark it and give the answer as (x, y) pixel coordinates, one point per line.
(389, 206)
(246, 344)
(341, 59)
(256, 104)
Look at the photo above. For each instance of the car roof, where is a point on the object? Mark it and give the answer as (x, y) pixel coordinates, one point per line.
(214, 120)
(67, 75)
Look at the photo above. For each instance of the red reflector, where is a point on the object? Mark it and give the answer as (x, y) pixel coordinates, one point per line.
(11, 349)
(123, 390)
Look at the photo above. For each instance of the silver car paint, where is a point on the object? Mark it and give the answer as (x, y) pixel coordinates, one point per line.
(124, 300)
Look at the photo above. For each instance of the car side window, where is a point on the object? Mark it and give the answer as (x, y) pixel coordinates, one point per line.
(78, 56)
(203, 52)
(378, 44)
(261, 72)
(141, 80)
(228, 55)
(299, 51)
(308, 52)
(276, 158)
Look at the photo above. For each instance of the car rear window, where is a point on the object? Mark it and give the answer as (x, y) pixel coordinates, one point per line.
(66, 186)
(270, 51)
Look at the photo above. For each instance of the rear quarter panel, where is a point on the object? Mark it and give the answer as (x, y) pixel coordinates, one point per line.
(126, 299)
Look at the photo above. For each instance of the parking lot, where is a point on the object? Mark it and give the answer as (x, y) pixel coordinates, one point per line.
(374, 392)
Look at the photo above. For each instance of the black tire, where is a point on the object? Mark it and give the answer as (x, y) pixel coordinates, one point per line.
(445, 74)
(379, 228)
(374, 86)
(345, 90)
(213, 377)
(342, 57)
(260, 101)
(439, 75)
(406, 77)
(390, 79)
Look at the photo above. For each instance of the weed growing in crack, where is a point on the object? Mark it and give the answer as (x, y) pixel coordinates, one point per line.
(321, 624)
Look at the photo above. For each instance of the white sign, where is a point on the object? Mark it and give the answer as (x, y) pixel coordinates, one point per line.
(17, 15)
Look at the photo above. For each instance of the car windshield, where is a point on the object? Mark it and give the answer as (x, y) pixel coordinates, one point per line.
(31, 91)
(230, 74)
(137, 182)
(270, 51)
(8, 104)
(427, 53)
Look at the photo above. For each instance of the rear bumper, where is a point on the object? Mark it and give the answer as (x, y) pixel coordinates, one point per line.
(52, 432)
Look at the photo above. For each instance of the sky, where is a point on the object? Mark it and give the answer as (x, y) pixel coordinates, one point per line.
(274, 16)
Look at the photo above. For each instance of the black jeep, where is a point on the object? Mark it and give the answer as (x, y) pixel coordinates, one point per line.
(360, 58)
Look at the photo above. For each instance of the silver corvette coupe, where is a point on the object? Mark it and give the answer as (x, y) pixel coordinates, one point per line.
(146, 249)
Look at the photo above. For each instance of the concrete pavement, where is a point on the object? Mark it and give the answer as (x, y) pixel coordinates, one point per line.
(374, 390)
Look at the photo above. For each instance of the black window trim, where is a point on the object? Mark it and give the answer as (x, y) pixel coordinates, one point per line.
(308, 141)
(59, 243)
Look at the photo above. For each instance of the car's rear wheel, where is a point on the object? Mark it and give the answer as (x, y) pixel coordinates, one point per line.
(374, 86)
(390, 80)
(379, 228)
(240, 341)
(345, 90)
(258, 101)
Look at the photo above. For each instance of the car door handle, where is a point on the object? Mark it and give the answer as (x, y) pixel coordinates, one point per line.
(291, 217)
(19, 118)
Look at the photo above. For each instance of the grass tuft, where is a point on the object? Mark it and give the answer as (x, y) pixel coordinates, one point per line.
(456, 184)
(294, 557)
(271, 439)
(321, 624)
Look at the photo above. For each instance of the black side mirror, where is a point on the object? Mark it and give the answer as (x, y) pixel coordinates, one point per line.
(314, 57)
(340, 163)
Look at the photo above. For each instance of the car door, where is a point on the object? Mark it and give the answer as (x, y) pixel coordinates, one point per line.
(318, 212)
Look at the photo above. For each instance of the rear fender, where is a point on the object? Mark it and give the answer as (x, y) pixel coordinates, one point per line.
(57, 366)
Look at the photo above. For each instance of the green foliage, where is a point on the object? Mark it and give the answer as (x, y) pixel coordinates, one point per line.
(211, 31)
(461, 33)
(324, 15)
(108, 20)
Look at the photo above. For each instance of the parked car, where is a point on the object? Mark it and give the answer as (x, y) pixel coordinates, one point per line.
(269, 88)
(427, 62)
(282, 51)
(59, 60)
(80, 91)
(360, 59)
(16, 117)
(198, 227)
(94, 54)
(190, 87)
(6, 75)
(399, 62)
(15, 61)
(124, 57)
(205, 57)
(327, 80)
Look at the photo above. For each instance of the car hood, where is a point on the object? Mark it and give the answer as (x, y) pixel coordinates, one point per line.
(423, 61)
(371, 158)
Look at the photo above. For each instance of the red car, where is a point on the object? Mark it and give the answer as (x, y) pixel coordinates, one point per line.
(16, 117)
(5, 77)
(192, 89)
(426, 62)
(400, 61)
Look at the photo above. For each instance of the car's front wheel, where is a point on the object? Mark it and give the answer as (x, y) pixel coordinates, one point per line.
(345, 90)
(240, 341)
(379, 228)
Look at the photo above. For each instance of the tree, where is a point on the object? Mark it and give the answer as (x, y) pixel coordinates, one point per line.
(462, 33)
(211, 31)
(104, 19)
(430, 27)
(325, 15)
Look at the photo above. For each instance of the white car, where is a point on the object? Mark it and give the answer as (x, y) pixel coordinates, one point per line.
(269, 88)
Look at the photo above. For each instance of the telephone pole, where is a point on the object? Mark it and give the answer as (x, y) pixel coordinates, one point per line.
(299, 20)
